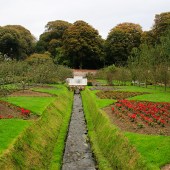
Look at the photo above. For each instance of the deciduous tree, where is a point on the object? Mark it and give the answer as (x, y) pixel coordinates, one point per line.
(120, 42)
(83, 46)
(52, 38)
(161, 25)
(16, 42)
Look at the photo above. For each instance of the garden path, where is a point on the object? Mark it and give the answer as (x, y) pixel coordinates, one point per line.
(78, 155)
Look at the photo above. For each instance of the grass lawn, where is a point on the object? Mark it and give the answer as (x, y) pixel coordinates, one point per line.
(57, 90)
(35, 104)
(157, 95)
(154, 149)
(9, 130)
(150, 89)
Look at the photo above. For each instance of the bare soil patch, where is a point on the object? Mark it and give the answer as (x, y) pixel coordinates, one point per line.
(137, 127)
(9, 111)
(118, 95)
(30, 93)
(44, 87)
(166, 167)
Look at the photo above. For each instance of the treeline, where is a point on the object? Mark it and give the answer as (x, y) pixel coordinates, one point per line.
(79, 45)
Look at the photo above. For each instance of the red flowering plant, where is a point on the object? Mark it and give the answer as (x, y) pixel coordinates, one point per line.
(132, 117)
(149, 112)
(25, 112)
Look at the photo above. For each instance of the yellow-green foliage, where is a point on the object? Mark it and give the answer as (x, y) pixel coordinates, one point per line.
(112, 149)
(34, 149)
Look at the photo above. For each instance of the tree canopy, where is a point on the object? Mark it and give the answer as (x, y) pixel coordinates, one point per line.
(52, 37)
(16, 41)
(83, 46)
(120, 42)
(161, 25)
(79, 45)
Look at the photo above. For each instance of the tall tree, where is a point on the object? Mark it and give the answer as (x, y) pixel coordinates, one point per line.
(27, 39)
(10, 43)
(161, 25)
(148, 38)
(120, 42)
(83, 46)
(16, 41)
(52, 38)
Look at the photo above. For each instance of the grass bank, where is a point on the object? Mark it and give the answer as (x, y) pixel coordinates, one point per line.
(111, 148)
(37, 146)
(10, 128)
(155, 150)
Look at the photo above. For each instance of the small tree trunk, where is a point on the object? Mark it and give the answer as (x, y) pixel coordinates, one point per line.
(165, 81)
(146, 83)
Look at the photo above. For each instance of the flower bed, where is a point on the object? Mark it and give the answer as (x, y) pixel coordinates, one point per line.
(150, 113)
(118, 95)
(141, 117)
(9, 111)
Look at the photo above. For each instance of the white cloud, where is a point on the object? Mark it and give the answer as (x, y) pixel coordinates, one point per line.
(101, 14)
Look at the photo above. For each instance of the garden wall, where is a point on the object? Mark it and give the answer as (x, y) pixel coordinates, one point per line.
(111, 148)
(39, 145)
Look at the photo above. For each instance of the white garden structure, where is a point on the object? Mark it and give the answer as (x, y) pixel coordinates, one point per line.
(78, 82)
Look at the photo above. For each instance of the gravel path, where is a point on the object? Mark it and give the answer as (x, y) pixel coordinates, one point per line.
(77, 154)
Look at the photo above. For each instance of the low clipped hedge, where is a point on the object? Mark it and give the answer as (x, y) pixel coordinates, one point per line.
(111, 148)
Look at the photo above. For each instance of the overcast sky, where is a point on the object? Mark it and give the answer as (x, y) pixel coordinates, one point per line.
(103, 15)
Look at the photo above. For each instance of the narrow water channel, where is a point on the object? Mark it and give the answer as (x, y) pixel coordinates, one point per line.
(78, 155)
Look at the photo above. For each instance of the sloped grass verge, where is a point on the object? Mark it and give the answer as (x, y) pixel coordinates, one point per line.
(37, 145)
(58, 152)
(10, 128)
(111, 148)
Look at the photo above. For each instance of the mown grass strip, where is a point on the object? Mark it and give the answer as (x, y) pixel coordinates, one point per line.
(156, 97)
(114, 150)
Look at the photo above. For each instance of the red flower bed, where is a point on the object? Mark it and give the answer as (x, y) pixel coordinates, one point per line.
(23, 113)
(148, 112)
